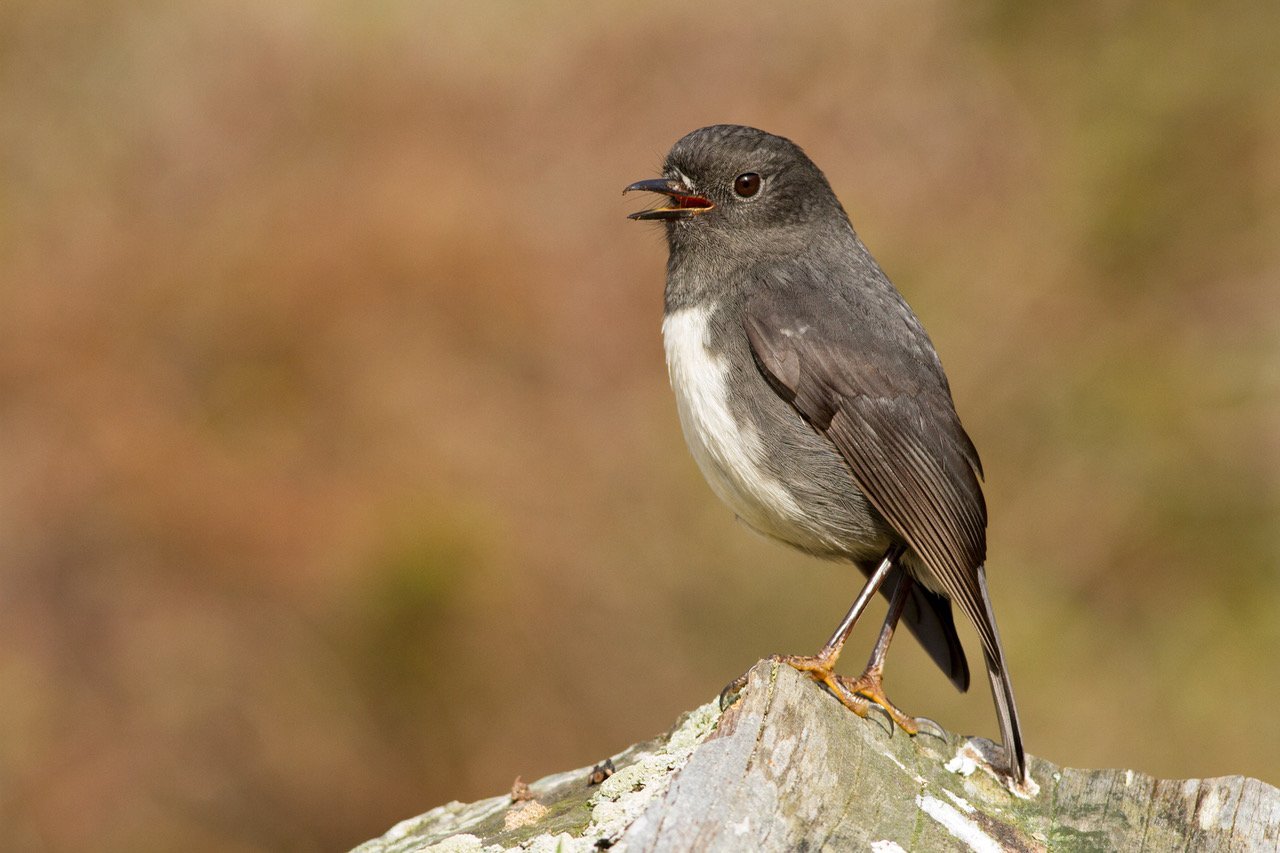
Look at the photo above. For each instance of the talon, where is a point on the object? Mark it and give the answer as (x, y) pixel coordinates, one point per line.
(882, 717)
(926, 726)
(733, 690)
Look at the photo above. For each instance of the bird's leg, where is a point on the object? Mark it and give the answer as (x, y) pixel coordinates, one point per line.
(870, 685)
(821, 667)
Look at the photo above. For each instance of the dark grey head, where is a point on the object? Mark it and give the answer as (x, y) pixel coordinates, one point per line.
(728, 179)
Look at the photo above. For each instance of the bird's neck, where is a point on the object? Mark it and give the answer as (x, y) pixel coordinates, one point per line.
(707, 266)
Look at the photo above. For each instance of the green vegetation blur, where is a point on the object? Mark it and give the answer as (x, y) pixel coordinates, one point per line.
(339, 474)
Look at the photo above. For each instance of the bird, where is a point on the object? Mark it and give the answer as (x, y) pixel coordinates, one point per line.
(816, 406)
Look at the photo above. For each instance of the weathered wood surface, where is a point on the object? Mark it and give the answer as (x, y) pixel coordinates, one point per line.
(787, 768)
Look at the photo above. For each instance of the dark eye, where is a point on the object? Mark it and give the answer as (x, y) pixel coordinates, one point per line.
(747, 184)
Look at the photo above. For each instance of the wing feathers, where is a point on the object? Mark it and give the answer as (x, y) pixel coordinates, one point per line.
(896, 429)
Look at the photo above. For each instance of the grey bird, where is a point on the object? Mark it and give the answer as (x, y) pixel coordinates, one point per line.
(816, 406)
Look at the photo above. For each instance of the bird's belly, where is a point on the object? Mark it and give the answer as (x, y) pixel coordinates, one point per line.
(729, 450)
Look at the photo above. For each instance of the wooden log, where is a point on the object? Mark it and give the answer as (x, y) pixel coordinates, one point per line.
(787, 768)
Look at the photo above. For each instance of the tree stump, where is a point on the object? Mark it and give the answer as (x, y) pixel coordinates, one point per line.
(786, 767)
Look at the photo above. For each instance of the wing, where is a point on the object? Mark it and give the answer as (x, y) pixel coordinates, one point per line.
(878, 393)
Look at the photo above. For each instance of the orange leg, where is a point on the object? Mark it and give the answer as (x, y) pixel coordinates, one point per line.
(859, 694)
(870, 685)
(821, 667)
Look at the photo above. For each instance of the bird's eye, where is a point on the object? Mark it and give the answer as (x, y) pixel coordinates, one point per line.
(747, 184)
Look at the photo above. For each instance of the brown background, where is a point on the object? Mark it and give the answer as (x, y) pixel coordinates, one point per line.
(339, 476)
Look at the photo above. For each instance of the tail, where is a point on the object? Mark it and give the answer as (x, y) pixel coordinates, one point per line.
(928, 617)
(1002, 692)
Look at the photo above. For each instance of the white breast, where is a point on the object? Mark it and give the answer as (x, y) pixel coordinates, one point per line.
(728, 452)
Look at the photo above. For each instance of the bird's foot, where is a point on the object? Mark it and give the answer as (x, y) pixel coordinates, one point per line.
(869, 688)
(822, 670)
(817, 667)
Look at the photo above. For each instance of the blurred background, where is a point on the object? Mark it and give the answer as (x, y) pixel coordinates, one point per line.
(339, 474)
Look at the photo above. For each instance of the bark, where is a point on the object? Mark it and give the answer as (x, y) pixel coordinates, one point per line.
(786, 767)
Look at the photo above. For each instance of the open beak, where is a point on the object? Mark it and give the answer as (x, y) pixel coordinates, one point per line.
(682, 205)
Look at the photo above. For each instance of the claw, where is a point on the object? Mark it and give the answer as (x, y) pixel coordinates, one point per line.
(733, 691)
(926, 726)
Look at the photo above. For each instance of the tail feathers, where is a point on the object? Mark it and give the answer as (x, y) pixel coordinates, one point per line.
(928, 618)
(1002, 692)
(1007, 712)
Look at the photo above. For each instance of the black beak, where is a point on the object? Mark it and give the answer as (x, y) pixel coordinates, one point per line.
(684, 203)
